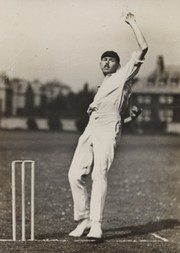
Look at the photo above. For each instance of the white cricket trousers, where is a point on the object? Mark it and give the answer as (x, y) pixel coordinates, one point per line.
(94, 153)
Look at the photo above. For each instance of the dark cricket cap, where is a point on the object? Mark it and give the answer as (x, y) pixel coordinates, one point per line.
(111, 54)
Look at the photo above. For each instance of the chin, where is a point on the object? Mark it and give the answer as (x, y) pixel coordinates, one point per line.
(108, 72)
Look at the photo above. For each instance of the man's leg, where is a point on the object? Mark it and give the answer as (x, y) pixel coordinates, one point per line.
(80, 167)
(104, 146)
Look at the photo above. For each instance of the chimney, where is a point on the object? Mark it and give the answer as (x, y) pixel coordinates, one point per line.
(160, 65)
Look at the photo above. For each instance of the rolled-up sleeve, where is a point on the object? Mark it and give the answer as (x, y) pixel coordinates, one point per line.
(133, 66)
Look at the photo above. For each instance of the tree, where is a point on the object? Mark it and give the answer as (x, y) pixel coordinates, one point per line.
(84, 98)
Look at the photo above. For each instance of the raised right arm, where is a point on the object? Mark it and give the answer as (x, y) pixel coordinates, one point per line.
(143, 46)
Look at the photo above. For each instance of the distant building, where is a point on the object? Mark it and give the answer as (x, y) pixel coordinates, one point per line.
(19, 97)
(159, 96)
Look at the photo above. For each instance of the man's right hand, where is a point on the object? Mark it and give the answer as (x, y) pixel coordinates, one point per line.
(129, 18)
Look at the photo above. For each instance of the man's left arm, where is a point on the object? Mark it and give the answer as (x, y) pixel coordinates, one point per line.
(134, 113)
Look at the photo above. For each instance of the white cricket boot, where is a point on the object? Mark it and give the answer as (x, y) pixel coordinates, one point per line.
(95, 231)
(81, 228)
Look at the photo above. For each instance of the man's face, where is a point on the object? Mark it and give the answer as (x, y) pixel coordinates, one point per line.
(109, 65)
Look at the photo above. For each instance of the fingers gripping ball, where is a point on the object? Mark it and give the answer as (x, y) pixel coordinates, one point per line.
(135, 112)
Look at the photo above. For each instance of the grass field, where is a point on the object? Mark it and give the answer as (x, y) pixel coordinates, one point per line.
(142, 212)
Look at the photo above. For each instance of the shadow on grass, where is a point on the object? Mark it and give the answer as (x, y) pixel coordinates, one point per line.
(64, 236)
(148, 228)
(121, 232)
(52, 236)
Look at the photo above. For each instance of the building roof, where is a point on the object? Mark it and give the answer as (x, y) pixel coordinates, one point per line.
(163, 80)
(142, 86)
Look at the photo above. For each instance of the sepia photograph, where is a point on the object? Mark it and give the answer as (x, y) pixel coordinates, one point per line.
(89, 126)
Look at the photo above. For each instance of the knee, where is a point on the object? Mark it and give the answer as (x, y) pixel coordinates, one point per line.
(73, 177)
(99, 175)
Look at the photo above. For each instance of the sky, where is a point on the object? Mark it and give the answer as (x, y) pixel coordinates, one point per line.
(64, 39)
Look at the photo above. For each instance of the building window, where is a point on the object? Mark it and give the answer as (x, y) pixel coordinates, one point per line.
(37, 100)
(147, 99)
(166, 115)
(169, 99)
(151, 81)
(166, 99)
(162, 99)
(20, 101)
(174, 81)
(144, 99)
(140, 99)
(145, 116)
(163, 81)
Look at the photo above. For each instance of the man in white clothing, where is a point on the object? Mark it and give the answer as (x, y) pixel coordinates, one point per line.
(96, 146)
